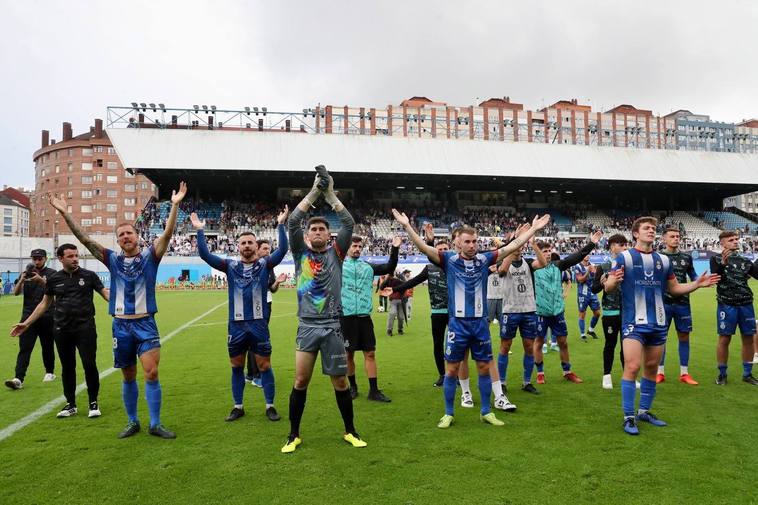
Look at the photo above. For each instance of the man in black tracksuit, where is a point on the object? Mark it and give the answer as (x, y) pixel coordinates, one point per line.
(74, 325)
(32, 284)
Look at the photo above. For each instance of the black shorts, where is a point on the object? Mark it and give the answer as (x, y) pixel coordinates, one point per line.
(358, 332)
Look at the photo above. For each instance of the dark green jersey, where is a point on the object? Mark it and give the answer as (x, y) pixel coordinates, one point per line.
(437, 280)
(611, 301)
(681, 263)
(732, 289)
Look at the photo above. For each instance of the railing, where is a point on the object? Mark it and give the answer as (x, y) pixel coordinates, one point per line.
(548, 126)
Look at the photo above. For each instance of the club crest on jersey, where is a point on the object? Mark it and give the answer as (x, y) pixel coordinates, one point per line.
(81, 282)
(658, 265)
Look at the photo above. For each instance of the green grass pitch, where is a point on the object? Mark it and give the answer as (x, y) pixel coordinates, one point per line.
(564, 446)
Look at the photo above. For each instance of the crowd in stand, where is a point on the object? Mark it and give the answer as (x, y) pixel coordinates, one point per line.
(235, 216)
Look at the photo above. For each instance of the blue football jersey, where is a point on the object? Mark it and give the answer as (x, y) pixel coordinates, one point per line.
(646, 277)
(583, 288)
(132, 287)
(467, 283)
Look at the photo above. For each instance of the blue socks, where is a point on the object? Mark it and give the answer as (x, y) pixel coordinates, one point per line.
(593, 323)
(502, 366)
(684, 353)
(722, 369)
(153, 396)
(628, 392)
(566, 366)
(540, 366)
(485, 391)
(581, 327)
(528, 368)
(130, 394)
(448, 391)
(267, 381)
(647, 393)
(238, 384)
(747, 368)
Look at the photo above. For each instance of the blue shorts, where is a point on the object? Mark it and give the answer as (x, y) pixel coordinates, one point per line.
(556, 324)
(682, 316)
(645, 336)
(249, 336)
(524, 322)
(590, 301)
(132, 338)
(468, 333)
(728, 317)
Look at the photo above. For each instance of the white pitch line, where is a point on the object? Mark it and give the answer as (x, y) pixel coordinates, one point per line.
(49, 406)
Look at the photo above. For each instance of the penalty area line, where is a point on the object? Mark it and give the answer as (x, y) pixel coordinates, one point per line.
(51, 405)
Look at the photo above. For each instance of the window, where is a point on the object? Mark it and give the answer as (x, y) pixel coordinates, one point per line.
(98, 220)
(86, 151)
(99, 163)
(86, 222)
(70, 194)
(7, 220)
(70, 152)
(99, 149)
(129, 202)
(70, 167)
(128, 174)
(97, 193)
(86, 166)
(86, 179)
(129, 216)
(111, 207)
(8, 212)
(111, 221)
(111, 193)
(129, 188)
(112, 165)
(111, 150)
(143, 185)
(112, 179)
(7, 229)
(44, 172)
(99, 177)
(69, 209)
(57, 169)
(87, 194)
(86, 208)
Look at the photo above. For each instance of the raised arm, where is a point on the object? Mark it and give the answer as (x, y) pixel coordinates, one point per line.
(202, 246)
(19, 286)
(540, 260)
(598, 280)
(576, 257)
(414, 281)
(422, 246)
(389, 266)
(282, 245)
(345, 235)
(294, 223)
(97, 251)
(526, 233)
(40, 309)
(160, 246)
(505, 265)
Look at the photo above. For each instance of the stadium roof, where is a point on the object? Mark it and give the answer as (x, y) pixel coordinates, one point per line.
(167, 155)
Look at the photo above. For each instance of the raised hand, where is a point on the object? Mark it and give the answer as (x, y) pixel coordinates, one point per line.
(281, 278)
(725, 255)
(396, 241)
(521, 229)
(595, 237)
(18, 329)
(58, 202)
(282, 217)
(196, 223)
(540, 222)
(401, 218)
(428, 231)
(707, 280)
(178, 196)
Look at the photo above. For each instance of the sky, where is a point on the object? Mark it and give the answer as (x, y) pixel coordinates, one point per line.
(68, 61)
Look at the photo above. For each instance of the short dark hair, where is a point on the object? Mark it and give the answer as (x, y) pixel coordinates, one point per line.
(618, 239)
(245, 233)
(672, 229)
(317, 219)
(643, 220)
(356, 238)
(543, 244)
(442, 241)
(262, 241)
(728, 234)
(61, 251)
